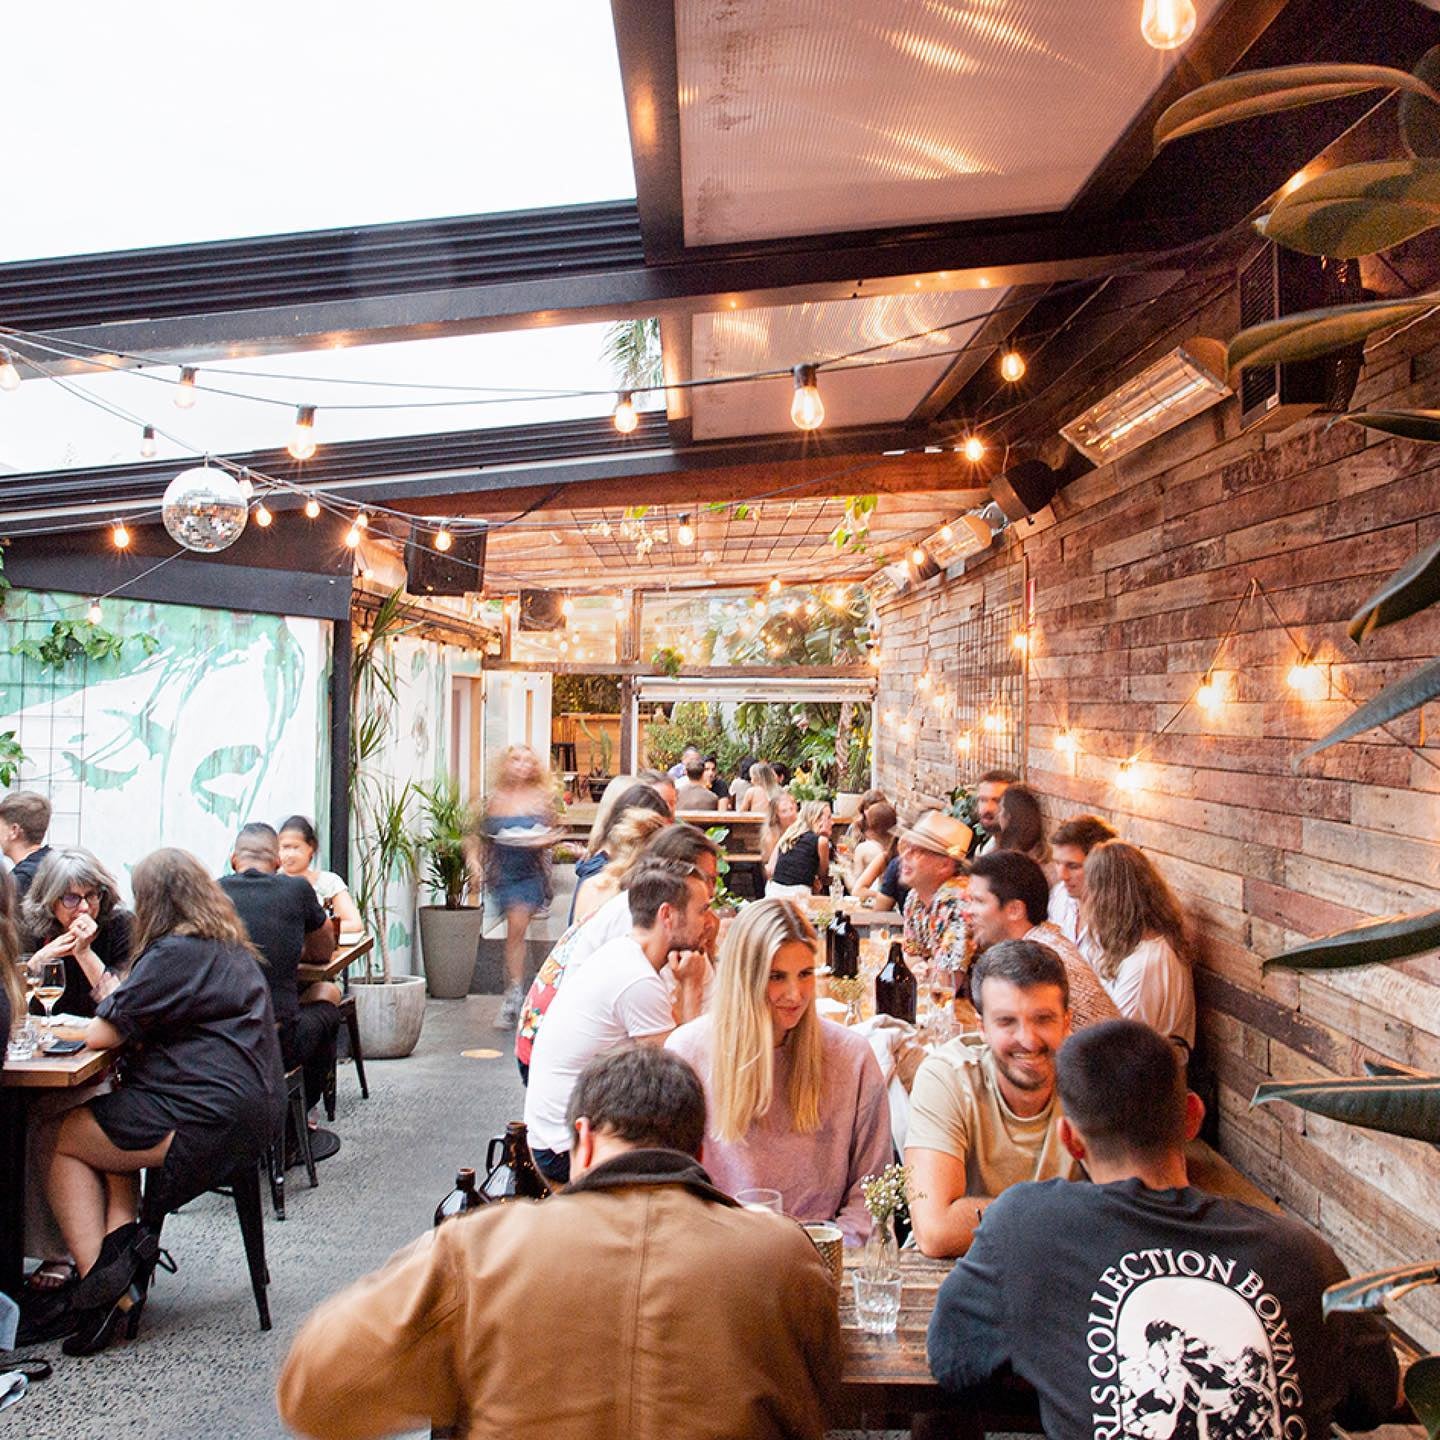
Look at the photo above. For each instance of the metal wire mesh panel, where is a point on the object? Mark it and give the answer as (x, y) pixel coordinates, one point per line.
(985, 675)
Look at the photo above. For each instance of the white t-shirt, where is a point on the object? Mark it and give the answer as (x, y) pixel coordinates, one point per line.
(617, 996)
(1065, 912)
(1154, 985)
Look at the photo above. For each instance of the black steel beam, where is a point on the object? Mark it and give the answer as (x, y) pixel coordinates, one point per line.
(339, 757)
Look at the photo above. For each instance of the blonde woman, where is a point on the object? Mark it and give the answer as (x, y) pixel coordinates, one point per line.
(800, 864)
(1139, 927)
(795, 1103)
(628, 837)
(764, 787)
(781, 814)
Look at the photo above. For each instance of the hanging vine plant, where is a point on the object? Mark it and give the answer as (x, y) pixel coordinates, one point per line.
(70, 640)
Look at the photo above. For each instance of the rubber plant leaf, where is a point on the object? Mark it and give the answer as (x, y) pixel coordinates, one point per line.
(1372, 1290)
(1395, 700)
(1413, 587)
(1422, 1390)
(1404, 1105)
(1267, 92)
(1357, 209)
(1309, 333)
(1374, 943)
(1418, 117)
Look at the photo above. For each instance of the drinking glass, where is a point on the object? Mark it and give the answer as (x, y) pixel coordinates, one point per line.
(50, 989)
(31, 976)
(761, 1200)
(877, 1301)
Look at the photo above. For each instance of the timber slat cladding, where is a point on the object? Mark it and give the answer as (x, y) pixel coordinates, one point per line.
(1135, 582)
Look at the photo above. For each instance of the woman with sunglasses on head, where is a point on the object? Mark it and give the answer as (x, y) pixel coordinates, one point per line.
(72, 912)
(795, 1103)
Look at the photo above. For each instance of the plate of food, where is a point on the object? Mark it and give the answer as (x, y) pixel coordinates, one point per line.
(528, 837)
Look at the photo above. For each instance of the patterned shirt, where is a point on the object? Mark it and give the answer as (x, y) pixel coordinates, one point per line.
(1089, 1002)
(936, 932)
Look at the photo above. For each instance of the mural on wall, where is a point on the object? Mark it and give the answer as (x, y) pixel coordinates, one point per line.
(224, 723)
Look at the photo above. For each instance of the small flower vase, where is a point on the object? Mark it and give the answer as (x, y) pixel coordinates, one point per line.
(882, 1251)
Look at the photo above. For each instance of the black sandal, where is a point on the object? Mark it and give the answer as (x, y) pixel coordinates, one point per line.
(32, 1370)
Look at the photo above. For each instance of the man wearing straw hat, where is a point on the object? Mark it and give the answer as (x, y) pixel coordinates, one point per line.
(932, 866)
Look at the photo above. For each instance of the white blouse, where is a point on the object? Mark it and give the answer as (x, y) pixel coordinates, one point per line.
(1154, 985)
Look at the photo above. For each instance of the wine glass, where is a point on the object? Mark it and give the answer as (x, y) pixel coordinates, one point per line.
(51, 987)
(27, 1037)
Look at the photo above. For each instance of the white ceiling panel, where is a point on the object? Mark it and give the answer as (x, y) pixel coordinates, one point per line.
(810, 116)
(923, 331)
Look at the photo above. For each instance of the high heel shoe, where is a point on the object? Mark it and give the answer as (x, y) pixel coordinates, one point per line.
(96, 1327)
(125, 1254)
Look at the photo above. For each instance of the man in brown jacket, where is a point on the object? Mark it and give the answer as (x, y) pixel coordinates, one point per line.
(639, 1303)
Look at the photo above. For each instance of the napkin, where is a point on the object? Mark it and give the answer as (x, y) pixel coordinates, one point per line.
(13, 1386)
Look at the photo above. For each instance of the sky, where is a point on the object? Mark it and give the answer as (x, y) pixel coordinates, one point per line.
(133, 125)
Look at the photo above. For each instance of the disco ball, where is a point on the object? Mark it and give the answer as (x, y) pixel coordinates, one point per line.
(204, 509)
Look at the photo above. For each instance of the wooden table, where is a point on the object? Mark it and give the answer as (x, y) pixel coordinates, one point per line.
(338, 963)
(20, 1081)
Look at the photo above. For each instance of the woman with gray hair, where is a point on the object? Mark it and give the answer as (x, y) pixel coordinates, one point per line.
(72, 912)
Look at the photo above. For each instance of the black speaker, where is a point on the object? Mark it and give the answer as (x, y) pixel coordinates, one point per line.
(1024, 488)
(456, 571)
(542, 610)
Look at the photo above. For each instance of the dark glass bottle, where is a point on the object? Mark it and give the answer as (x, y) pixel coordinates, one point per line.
(462, 1198)
(511, 1173)
(842, 947)
(895, 988)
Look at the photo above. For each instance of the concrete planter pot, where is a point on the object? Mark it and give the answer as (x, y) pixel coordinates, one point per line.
(449, 945)
(390, 1015)
(846, 805)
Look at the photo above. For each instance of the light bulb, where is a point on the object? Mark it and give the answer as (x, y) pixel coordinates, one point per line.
(567, 606)
(147, 443)
(686, 533)
(963, 742)
(775, 586)
(443, 540)
(1167, 24)
(993, 723)
(807, 409)
(312, 509)
(1307, 680)
(924, 682)
(185, 390)
(875, 658)
(1128, 776)
(262, 516)
(1012, 366)
(9, 375)
(906, 729)
(302, 441)
(120, 536)
(973, 449)
(94, 614)
(1021, 641)
(1066, 743)
(758, 605)
(947, 533)
(626, 418)
(352, 536)
(362, 521)
(917, 557)
(1211, 694)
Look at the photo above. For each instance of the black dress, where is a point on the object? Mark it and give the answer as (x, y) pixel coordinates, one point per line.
(800, 864)
(202, 1059)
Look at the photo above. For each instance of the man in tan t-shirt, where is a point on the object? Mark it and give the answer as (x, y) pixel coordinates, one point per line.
(983, 1116)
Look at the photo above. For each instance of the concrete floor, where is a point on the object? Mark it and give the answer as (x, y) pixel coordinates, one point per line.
(201, 1365)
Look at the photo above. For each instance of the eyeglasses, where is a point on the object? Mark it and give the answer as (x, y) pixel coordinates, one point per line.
(71, 901)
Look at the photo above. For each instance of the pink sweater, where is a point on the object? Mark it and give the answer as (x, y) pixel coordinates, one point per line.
(819, 1173)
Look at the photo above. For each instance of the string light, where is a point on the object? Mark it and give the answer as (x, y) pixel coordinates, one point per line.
(262, 516)
(94, 614)
(442, 540)
(312, 509)
(120, 536)
(807, 409)
(1012, 366)
(147, 443)
(9, 375)
(947, 533)
(1211, 694)
(963, 742)
(775, 586)
(973, 449)
(1066, 743)
(302, 441)
(1308, 680)
(875, 658)
(917, 557)
(906, 729)
(567, 607)
(626, 416)
(1167, 24)
(685, 534)
(352, 536)
(185, 390)
(1128, 776)
(362, 521)
(1021, 641)
(993, 723)
(924, 682)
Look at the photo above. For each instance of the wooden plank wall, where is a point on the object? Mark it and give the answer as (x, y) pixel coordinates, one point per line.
(1137, 577)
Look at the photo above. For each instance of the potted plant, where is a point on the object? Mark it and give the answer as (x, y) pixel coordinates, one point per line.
(597, 780)
(449, 932)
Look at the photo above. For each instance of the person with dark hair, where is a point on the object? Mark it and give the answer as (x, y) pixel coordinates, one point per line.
(204, 1087)
(681, 845)
(72, 912)
(710, 778)
(1140, 1306)
(299, 845)
(1022, 825)
(694, 793)
(618, 996)
(1072, 841)
(698, 1318)
(1008, 899)
(24, 822)
(877, 825)
(283, 918)
(988, 790)
(983, 1114)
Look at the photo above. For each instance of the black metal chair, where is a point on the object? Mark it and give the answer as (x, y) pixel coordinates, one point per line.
(357, 1054)
(278, 1153)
